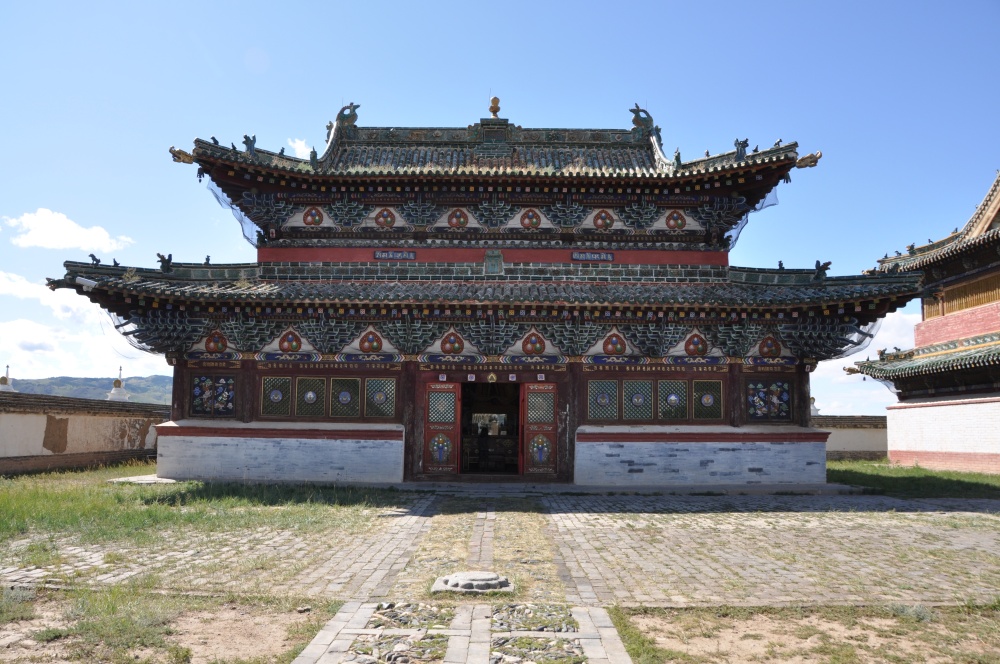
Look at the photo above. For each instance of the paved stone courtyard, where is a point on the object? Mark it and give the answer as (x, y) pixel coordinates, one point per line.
(589, 552)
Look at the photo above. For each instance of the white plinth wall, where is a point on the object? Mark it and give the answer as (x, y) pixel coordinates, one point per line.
(293, 452)
(946, 433)
(664, 456)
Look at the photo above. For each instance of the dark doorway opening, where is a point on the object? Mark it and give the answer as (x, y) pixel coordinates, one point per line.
(490, 436)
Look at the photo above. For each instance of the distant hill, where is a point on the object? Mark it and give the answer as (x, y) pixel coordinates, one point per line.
(148, 389)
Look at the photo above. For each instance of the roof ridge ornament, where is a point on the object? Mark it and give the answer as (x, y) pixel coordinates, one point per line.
(644, 126)
(741, 149)
(494, 107)
(250, 142)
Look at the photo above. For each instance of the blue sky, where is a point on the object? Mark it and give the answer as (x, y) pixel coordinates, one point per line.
(900, 97)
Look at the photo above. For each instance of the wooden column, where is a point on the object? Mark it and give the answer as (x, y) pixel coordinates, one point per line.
(410, 394)
(178, 400)
(801, 396)
(248, 393)
(734, 395)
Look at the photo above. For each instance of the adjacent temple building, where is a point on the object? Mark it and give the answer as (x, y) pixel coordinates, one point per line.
(492, 302)
(949, 385)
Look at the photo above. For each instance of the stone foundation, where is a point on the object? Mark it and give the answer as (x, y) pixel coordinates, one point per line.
(320, 453)
(664, 456)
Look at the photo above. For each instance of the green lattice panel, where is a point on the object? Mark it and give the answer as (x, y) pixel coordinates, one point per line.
(441, 407)
(673, 399)
(380, 397)
(769, 400)
(602, 399)
(541, 407)
(638, 399)
(276, 397)
(345, 397)
(707, 399)
(213, 396)
(310, 397)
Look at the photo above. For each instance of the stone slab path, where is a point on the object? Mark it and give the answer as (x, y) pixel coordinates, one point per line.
(470, 635)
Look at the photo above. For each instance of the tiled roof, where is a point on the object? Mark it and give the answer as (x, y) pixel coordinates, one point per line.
(974, 234)
(545, 284)
(380, 151)
(980, 351)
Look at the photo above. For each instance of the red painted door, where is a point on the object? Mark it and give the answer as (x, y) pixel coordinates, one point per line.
(539, 406)
(442, 427)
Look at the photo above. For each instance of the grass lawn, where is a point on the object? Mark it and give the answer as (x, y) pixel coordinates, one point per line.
(913, 481)
(83, 505)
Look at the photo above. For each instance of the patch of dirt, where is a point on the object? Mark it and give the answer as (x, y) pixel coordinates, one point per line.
(233, 633)
(16, 644)
(803, 640)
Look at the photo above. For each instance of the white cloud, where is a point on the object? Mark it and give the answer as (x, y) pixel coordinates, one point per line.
(54, 230)
(65, 304)
(83, 342)
(299, 146)
(839, 393)
(34, 350)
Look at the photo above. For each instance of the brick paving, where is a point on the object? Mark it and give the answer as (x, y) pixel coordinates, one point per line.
(319, 563)
(775, 550)
(654, 550)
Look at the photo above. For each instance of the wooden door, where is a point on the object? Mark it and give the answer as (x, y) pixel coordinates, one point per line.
(442, 427)
(539, 430)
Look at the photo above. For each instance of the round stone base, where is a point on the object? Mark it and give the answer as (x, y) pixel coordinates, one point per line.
(472, 582)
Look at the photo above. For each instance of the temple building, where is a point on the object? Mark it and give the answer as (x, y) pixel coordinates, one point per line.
(492, 302)
(949, 385)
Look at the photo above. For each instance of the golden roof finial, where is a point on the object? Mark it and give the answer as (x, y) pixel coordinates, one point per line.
(495, 106)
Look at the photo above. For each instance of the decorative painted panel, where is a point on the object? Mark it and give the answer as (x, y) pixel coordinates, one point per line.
(442, 427)
(310, 397)
(276, 397)
(638, 399)
(673, 399)
(345, 397)
(213, 396)
(602, 400)
(707, 399)
(541, 406)
(380, 397)
(539, 428)
(769, 400)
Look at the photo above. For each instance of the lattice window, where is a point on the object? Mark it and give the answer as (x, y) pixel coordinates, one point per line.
(769, 400)
(310, 397)
(276, 397)
(345, 397)
(541, 407)
(707, 399)
(380, 397)
(441, 407)
(213, 396)
(673, 399)
(602, 400)
(638, 399)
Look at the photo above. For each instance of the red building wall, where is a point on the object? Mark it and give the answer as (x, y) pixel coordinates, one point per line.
(959, 325)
